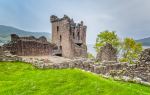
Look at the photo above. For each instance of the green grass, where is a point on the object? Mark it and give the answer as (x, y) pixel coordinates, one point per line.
(23, 79)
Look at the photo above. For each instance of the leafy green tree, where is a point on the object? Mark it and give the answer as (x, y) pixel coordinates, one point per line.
(106, 37)
(130, 50)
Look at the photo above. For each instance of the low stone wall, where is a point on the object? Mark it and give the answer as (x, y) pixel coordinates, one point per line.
(139, 73)
(6, 56)
(141, 70)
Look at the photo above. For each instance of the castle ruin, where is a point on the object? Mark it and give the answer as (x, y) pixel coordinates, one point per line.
(69, 37)
(29, 46)
(68, 40)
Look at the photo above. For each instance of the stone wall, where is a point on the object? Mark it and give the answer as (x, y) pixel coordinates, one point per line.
(80, 51)
(29, 46)
(107, 53)
(7, 56)
(145, 56)
(1, 51)
(70, 37)
(139, 73)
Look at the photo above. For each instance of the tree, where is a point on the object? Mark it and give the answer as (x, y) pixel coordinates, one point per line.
(130, 50)
(106, 37)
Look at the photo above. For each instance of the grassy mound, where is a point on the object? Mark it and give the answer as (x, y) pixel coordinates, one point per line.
(23, 79)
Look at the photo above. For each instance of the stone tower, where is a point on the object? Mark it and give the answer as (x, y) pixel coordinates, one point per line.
(69, 37)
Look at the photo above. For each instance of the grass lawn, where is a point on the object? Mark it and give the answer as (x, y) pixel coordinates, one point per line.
(17, 78)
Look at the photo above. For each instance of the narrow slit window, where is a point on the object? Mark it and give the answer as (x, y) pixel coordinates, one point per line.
(60, 38)
(57, 28)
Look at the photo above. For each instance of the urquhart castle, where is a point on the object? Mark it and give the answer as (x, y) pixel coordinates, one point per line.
(68, 40)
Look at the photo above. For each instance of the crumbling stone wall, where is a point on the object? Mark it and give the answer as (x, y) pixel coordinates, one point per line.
(141, 70)
(107, 53)
(69, 37)
(7, 56)
(29, 46)
(1, 51)
(80, 51)
(139, 73)
(120, 71)
(145, 56)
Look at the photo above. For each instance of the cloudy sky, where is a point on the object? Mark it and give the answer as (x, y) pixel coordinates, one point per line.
(129, 18)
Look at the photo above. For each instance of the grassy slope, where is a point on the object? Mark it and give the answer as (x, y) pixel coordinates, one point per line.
(23, 79)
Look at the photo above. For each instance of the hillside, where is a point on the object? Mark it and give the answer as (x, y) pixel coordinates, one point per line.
(145, 41)
(5, 32)
(24, 79)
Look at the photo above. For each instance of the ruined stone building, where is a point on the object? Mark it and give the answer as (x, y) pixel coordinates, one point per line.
(69, 37)
(1, 51)
(29, 46)
(68, 40)
(107, 53)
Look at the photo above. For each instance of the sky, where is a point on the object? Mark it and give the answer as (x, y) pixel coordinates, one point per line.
(129, 18)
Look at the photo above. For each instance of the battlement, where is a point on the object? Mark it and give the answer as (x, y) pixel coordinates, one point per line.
(54, 18)
(15, 38)
(70, 37)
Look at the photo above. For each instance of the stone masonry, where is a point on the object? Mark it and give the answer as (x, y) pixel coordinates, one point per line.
(7, 56)
(29, 46)
(69, 37)
(120, 71)
(68, 40)
(145, 56)
(139, 73)
(107, 53)
(1, 51)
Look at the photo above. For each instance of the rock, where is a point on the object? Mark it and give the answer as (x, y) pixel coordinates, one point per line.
(125, 78)
(145, 83)
(137, 80)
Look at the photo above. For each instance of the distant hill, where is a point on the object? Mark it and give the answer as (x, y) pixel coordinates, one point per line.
(5, 32)
(145, 41)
